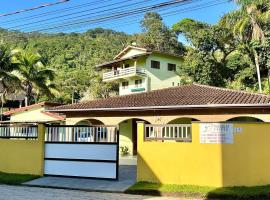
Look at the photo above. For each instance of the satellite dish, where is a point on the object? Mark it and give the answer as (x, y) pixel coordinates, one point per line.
(133, 43)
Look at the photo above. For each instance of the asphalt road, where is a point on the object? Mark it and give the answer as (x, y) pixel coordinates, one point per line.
(35, 193)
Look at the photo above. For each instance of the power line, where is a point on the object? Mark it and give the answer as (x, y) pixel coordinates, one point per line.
(79, 12)
(6, 22)
(133, 16)
(55, 12)
(171, 13)
(131, 12)
(116, 10)
(167, 14)
(33, 8)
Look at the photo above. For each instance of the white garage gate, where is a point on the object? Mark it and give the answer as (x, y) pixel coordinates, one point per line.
(82, 151)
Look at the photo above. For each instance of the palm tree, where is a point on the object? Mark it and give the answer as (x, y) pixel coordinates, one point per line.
(35, 78)
(247, 24)
(9, 83)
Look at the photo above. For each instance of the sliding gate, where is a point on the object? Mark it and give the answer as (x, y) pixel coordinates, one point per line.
(82, 151)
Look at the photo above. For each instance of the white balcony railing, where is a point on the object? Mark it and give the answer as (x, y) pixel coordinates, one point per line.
(123, 72)
(177, 132)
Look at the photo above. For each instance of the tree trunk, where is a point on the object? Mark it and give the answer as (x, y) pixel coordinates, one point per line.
(2, 106)
(258, 70)
(2, 110)
(257, 31)
(268, 80)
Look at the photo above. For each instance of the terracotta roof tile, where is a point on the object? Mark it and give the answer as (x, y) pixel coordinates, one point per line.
(25, 108)
(194, 94)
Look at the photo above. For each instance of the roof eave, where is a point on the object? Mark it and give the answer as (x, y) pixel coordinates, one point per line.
(107, 64)
(166, 107)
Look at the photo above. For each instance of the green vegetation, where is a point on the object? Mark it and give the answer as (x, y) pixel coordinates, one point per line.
(15, 179)
(232, 53)
(257, 192)
(153, 187)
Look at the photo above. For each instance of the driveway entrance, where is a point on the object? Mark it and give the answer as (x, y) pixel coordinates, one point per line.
(127, 177)
(82, 151)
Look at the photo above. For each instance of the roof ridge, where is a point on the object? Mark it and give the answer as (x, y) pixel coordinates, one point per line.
(29, 107)
(232, 90)
(173, 87)
(134, 94)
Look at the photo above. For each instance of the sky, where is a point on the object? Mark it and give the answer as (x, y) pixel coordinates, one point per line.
(54, 19)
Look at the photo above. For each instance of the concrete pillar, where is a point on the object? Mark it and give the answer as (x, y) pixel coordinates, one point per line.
(140, 140)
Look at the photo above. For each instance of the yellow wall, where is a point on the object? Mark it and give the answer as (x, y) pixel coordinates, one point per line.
(245, 162)
(132, 52)
(23, 156)
(32, 115)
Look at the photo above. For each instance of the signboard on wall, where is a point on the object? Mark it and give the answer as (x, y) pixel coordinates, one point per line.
(216, 133)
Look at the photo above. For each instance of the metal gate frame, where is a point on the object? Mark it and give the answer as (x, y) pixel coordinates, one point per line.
(116, 161)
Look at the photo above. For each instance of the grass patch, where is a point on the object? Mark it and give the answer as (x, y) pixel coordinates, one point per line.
(15, 179)
(256, 192)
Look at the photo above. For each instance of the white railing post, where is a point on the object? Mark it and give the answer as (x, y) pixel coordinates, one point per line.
(177, 132)
(122, 72)
(81, 134)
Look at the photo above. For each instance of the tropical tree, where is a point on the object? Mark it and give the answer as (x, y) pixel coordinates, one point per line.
(157, 36)
(35, 79)
(99, 89)
(9, 83)
(210, 47)
(249, 25)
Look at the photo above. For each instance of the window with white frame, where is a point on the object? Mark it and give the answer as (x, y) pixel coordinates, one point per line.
(125, 85)
(138, 83)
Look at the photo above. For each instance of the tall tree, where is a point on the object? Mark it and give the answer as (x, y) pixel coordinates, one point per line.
(35, 78)
(157, 36)
(9, 83)
(249, 24)
(206, 59)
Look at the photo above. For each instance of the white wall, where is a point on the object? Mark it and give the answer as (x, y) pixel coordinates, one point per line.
(84, 160)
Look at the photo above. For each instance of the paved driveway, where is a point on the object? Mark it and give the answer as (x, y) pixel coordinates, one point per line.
(34, 193)
(127, 177)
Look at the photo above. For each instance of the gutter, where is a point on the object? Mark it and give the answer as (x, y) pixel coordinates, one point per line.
(165, 107)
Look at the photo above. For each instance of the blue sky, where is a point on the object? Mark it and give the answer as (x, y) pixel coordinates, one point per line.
(196, 9)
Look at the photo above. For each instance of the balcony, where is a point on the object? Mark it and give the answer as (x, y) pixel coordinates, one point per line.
(123, 73)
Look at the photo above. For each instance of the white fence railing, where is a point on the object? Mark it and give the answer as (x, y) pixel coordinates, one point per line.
(18, 132)
(89, 134)
(177, 132)
(123, 72)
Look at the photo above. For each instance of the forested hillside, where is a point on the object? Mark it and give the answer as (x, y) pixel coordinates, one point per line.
(233, 53)
(72, 56)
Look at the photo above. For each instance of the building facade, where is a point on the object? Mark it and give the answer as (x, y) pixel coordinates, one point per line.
(139, 70)
(35, 113)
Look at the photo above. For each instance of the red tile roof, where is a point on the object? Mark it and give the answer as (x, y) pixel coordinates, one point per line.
(25, 108)
(187, 96)
(54, 115)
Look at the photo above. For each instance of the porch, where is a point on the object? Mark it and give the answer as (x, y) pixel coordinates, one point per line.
(123, 73)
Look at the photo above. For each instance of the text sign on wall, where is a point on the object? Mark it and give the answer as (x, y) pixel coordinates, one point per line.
(216, 133)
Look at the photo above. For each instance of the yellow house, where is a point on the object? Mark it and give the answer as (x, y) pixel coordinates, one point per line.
(175, 105)
(35, 113)
(188, 134)
(170, 139)
(182, 134)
